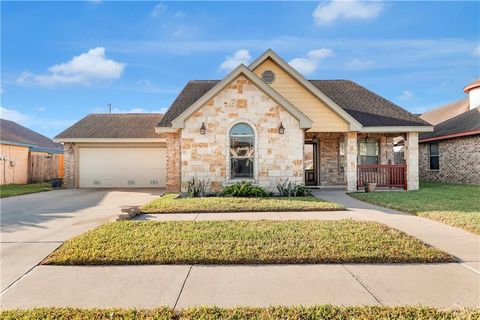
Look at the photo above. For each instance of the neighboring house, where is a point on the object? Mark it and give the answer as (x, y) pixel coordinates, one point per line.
(451, 153)
(264, 123)
(27, 156)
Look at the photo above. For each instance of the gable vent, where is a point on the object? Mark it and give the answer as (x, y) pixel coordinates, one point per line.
(268, 76)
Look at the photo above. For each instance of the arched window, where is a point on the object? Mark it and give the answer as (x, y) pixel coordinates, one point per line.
(242, 140)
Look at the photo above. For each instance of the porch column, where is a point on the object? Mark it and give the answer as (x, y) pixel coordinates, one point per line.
(351, 161)
(411, 157)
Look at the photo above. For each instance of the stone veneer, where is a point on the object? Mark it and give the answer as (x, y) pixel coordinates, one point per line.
(69, 171)
(459, 161)
(277, 156)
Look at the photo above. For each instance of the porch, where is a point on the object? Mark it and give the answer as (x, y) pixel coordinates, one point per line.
(351, 159)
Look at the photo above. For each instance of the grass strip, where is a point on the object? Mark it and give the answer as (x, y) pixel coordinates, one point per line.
(10, 190)
(170, 203)
(324, 312)
(244, 242)
(457, 205)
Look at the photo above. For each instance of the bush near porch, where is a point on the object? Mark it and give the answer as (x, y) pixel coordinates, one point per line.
(172, 203)
(244, 242)
(455, 204)
(320, 312)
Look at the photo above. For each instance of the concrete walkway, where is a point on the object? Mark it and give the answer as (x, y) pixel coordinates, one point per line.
(440, 285)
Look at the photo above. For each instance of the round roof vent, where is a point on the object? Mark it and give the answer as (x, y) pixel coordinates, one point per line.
(268, 76)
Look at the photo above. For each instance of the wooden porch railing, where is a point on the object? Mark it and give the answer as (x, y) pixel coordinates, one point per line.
(384, 175)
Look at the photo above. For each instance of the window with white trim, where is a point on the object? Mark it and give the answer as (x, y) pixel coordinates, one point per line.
(242, 149)
(368, 151)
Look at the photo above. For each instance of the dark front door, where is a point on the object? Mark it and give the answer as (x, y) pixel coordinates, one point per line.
(310, 158)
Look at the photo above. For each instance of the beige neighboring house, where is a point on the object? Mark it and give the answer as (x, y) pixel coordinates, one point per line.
(263, 123)
(451, 153)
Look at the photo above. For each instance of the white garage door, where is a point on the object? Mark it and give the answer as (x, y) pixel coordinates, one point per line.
(122, 167)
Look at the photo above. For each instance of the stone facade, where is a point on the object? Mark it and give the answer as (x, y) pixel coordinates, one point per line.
(459, 161)
(173, 161)
(411, 157)
(276, 157)
(69, 169)
(15, 166)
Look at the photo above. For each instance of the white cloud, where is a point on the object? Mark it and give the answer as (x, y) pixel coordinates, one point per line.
(159, 9)
(32, 121)
(310, 63)
(144, 82)
(476, 51)
(406, 95)
(82, 69)
(329, 12)
(359, 64)
(179, 14)
(41, 109)
(231, 62)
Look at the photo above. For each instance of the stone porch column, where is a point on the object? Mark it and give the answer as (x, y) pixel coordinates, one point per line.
(173, 162)
(411, 157)
(351, 161)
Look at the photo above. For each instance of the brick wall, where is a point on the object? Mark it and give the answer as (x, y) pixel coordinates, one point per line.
(173, 161)
(15, 168)
(459, 161)
(69, 170)
(277, 156)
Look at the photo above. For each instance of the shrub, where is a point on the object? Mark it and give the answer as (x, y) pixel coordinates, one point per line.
(289, 189)
(197, 187)
(244, 189)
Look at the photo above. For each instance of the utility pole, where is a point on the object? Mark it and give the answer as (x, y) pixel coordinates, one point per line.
(109, 108)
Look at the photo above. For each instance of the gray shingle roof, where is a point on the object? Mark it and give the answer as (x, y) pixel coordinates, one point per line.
(467, 121)
(365, 106)
(125, 125)
(17, 134)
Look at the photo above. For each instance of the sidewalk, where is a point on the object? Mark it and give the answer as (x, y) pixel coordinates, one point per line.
(438, 285)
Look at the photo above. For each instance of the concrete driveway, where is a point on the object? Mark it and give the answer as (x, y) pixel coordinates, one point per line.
(34, 225)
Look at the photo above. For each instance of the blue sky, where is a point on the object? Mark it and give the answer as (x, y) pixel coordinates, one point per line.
(63, 60)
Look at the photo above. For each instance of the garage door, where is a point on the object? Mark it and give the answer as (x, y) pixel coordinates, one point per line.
(122, 167)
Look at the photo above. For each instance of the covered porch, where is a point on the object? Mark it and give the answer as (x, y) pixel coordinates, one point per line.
(351, 159)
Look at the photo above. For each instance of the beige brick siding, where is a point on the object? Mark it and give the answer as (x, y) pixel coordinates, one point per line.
(277, 156)
(173, 161)
(459, 161)
(15, 168)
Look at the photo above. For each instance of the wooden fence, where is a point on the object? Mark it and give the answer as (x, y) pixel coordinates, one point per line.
(388, 175)
(43, 167)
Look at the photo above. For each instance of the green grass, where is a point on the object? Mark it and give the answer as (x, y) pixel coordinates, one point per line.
(244, 242)
(10, 190)
(455, 204)
(170, 203)
(321, 312)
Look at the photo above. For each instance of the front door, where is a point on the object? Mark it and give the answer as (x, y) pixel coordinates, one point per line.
(310, 158)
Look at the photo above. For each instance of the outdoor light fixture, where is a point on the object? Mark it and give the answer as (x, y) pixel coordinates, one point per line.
(281, 129)
(203, 128)
(70, 149)
(314, 139)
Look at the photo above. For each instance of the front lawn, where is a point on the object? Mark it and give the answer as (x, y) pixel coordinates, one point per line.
(321, 312)
(455, 204)
(10, 190)
(171, 203)
(244, 242)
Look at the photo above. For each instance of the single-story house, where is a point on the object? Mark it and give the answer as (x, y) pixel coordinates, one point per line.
(27, 156)
(451, 153)
(264, 123)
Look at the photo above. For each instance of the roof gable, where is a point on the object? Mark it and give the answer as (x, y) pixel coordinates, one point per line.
(270, 54)
(305, 122)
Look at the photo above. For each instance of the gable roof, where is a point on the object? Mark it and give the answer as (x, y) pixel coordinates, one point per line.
(365, 106)
(14, 133)
(113, 125)
(467, 123)
(305, 122)
(447, 111)
(270, 54)
(361, 108)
